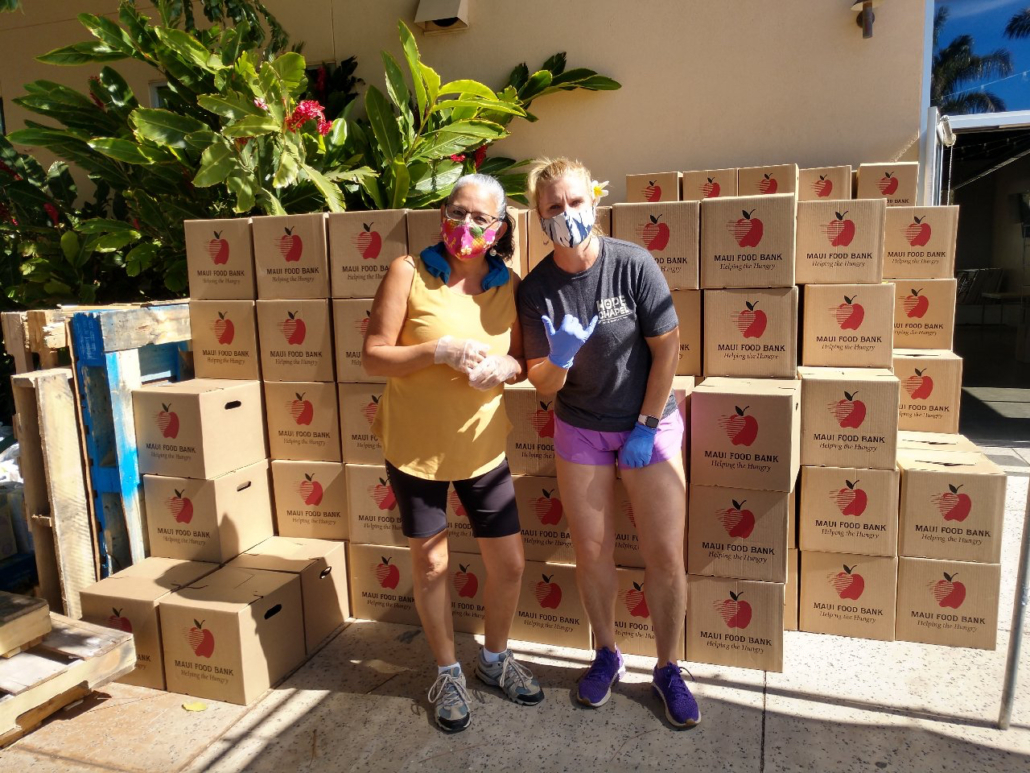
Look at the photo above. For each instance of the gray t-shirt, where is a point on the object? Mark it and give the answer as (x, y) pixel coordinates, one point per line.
(625, 288)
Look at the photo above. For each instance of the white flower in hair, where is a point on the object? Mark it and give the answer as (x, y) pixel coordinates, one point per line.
(599, 189)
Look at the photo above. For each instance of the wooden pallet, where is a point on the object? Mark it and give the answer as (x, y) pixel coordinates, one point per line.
(72, 661)
(24, 621)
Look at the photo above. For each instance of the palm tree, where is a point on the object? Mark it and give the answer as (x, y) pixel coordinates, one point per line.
(1019, 25)
(956, 65)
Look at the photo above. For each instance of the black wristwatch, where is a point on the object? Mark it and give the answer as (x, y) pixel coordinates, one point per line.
(648, 421)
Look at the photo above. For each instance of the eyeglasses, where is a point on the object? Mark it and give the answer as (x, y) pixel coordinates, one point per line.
(479, 219)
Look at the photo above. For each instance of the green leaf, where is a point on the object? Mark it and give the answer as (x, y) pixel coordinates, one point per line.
(432, 81)
(556, 63)
(268, 202)
(187, 47)
(537, 82)
(81, 53)
(115, 241)
(468, 87)
(350, 175)
(234, 41)
(109, 33)
(231, 105)
(70, 246)
(397, 89)
(290, 69)
(139, 258)
(411, 56)
(480, 104)
(383, 121)
(333, 198)
(401, 183)
(475, 128)
(100, 225)
(129, 152)
(252, 126)
(288, 169)
(163, 126)
(243, 186)
(215, 165)
(338, 134)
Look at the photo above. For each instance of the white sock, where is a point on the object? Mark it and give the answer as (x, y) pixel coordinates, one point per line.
(441, 669)
(491, 657)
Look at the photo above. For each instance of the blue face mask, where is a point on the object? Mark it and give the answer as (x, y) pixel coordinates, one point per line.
(569, 228)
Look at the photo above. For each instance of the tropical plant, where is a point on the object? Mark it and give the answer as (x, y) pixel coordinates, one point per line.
(333, 85)
(1018, 27)
(957, 65)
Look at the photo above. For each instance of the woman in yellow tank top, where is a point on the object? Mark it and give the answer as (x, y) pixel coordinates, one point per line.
(444, 330)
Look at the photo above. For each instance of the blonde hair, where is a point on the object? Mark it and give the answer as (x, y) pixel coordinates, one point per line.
(547, 169)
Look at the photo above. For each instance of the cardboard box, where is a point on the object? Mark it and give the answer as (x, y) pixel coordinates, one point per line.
(361, 247)
(423, 229)
(745, 433)
(627, 545)
(738, 533)
(920, 242)
(467, 582)
(381, 584)
(748, 241)
(848, 326)
(652, 188)
(550, 610)
(895, 182)
(688, 309)
(790, 595)
(539, 246)
(322, 568)
(669, 231)
(848, 510)
(936, 607)
(310, 500)
(931, 389)
(924, 314)
(350, 321)
(708, 184)
(358, 406)
(840, 241)
(233, 634)
(952, 506)
(531, 440)
(459, 529)
(225, 341)
(824, 183)
(682, 389)
(303, 421)
(220, 259)
(201, 428)
(751, 332)
(208, 520)
(735, 622)
(849, 595)
(296, 340)
(545, 529)
(935, 441)
(290, 256)
(634, 630)
(767, 180)
(839, 427)
(373, 515)
(127, 601)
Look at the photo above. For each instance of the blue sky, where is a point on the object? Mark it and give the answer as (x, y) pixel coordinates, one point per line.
(985, 21)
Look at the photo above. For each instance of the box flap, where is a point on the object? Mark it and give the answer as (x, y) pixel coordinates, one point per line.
(749, 386)
(152, 578)
(229, 589)
(928, 354)
(196, 386)
(960, 462)
(845, 374)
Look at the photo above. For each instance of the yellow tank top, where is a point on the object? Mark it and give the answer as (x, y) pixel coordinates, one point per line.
(432, 424)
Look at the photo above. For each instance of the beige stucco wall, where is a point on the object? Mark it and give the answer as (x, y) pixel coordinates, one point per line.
(706, 83)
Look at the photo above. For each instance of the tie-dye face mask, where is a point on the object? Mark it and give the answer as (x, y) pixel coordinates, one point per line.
(569, 228)
(466, 241)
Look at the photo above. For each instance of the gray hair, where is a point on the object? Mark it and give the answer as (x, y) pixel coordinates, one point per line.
(486, 182)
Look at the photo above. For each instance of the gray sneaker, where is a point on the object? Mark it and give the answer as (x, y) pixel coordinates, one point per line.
(451, 698)
(512, 677)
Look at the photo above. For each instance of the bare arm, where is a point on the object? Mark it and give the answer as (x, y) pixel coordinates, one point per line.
(547, 377)
(515, 348)
(381, 356)
(665, 350)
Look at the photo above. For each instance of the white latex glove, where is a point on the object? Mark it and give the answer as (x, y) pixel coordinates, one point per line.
(493, 370)
(462, 354)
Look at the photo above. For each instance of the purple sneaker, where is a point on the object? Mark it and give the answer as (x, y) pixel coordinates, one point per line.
(680, 707)
(595, 688)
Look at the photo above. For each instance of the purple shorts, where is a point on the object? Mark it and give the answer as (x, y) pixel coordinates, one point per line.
(590, 446)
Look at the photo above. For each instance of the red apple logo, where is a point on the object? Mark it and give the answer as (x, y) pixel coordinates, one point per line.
(948, 592)
(201, 640)
(117, 621)
(748, 230)
(301, 410)
(291, 246)
(652, 192)
(915, 305)
(849, 412)
(710, 189)
(850, 500)
(655, 235)
(362, 324)
(368, 242)
(888, 184)
(542, 421)
(636, 602)
(168, 422)
(823, 187)
(849, 314)
(751, 323)
(218, 249)
(848, 584)
(382, 494)
(387, 574)
(224, 329)
(310, 490)
(918, 232)
(734, 612)
(839, 231)
(627, 510)
(293, 329)
(371, 409)
(548, 594)
(180, 507)
(919, 387)
(736, 521)
(740, 429)
(466, 584)
(953, 505)
(768, 184)
(548, 508)
(455, 504)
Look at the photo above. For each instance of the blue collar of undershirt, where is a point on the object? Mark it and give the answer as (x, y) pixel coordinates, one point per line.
(436, 264)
